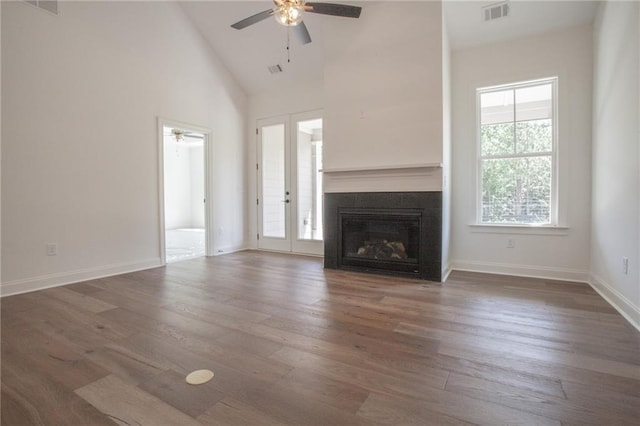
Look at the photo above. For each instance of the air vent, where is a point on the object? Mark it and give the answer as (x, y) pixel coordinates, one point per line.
(275, 69)
(48, 5)
(495, 11)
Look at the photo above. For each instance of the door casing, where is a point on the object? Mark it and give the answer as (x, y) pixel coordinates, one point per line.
(208, 220)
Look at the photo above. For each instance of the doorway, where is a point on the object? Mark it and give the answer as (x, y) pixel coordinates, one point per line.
(290, 192)
(184, 189)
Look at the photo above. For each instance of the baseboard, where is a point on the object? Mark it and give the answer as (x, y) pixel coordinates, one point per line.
(228, 250)
(624, 306)
(26, 285)
(446, 272)
(560, 274)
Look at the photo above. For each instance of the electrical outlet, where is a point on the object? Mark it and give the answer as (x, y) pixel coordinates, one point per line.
(52, 249)
(511, 243)
(625, 265)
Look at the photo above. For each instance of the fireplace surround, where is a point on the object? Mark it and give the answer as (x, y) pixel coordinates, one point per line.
(397, 233)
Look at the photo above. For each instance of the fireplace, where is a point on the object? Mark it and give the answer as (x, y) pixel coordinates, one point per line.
(395, 233)
(373, 239)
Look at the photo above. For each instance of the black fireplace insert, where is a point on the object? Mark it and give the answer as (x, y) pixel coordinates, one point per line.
(398, 233)
(379, 239)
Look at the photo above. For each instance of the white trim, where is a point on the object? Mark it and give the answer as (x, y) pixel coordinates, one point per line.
(231, 249)
(554, 206)
(620, 303)
(530, 271)
(207, 153)
(374, 168)
(515, 229)
(26, 285)
(447, 271)
(391, 180)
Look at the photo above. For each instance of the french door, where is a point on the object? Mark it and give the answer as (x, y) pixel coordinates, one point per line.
(290, 183)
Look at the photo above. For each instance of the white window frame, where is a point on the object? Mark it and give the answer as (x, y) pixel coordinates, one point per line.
(553, 202)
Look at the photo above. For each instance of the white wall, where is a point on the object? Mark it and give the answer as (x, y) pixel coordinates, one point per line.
(183, 184)
(446, 151)
(196, 184)
(82, 93)
(562, 254)
(616, 164)
(383, 87)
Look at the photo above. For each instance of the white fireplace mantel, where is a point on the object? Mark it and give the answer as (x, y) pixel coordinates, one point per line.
(384, 178)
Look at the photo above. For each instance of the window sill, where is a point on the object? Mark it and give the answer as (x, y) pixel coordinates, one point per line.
(520, 229)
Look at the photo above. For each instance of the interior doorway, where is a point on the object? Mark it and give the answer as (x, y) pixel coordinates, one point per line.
(185, 224)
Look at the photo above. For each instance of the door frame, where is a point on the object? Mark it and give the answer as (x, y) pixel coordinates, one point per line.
(291, 243)
(208, 196)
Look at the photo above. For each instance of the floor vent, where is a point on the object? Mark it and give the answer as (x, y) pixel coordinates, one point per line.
(275, 69)
(495, 11)
(48, 5)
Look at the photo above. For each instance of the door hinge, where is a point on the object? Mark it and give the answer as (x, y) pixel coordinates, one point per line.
(257, 201)
(256, 130)
(256, 166)
(258, 236)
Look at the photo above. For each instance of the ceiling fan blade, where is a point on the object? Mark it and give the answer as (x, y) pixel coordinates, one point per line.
(302, 33)
(334, 9)
(252, 19)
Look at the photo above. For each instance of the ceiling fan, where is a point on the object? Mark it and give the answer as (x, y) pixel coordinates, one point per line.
(289, 13)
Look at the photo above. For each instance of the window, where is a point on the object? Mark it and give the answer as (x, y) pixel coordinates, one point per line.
(517, 153)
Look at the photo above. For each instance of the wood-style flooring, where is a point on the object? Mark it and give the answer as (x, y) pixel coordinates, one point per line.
(291, 343)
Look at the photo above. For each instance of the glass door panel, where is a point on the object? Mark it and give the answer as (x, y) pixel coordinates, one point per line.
(309, 185)
(273, 181)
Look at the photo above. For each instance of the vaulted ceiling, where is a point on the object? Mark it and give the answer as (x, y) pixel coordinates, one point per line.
(249, 52)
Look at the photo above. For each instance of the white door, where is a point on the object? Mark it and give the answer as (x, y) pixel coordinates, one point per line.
(290, 183)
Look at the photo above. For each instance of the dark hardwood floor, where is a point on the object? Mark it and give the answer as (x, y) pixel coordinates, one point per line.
(292, 343)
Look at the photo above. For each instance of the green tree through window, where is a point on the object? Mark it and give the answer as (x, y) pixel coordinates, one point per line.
(517, 153)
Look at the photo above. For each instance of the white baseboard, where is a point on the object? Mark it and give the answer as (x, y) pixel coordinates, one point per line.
(560, 274)
(230, 249)
(26, 285)
(446, 271)
(624, 306)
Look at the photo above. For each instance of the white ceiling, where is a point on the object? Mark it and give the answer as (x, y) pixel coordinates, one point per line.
(527, 18)
(247, 53)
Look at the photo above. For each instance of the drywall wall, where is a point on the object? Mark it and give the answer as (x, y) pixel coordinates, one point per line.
(383, 87)
(183, 184)
(446, 152)
(615, 227)
(197, 180)
(554, 253)
(0, 146)
(80, 164)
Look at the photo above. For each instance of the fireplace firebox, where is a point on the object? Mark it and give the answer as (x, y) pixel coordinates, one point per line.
(391, 233)
(372, 239)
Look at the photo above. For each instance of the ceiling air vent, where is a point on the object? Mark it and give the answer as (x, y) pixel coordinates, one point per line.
(495, 11)
(275, 69)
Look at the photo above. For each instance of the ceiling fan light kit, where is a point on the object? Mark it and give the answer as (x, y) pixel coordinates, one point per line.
(290, 13)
